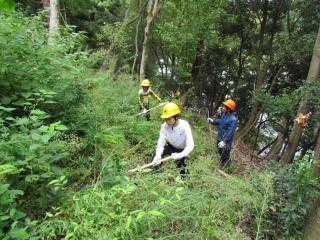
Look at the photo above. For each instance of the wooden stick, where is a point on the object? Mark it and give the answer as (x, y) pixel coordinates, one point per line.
(210, 129)
(160, 105)
(223, 173)
(149, 165)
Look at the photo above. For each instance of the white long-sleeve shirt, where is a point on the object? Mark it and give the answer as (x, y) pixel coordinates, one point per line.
(179, 136)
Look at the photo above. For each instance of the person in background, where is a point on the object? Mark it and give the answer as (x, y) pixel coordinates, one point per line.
(145, 93)
(175, 138)
(227, 124)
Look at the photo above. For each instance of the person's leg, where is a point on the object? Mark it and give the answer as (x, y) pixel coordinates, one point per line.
(181, 164)
(166, 152)
(220, 150)
(225, 155)
(148, 113)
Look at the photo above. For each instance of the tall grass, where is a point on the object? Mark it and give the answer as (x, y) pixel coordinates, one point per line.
(148, 205)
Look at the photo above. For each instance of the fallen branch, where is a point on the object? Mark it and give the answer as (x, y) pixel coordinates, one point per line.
(222, 173)
(149, 165)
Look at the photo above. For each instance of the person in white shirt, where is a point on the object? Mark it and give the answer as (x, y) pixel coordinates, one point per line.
(175, 138)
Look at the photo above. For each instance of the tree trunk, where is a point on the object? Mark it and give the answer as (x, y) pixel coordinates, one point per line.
(261, 67)
(259, 74)
(53, 22)
(196, 67)
(314, 72)
(240, 58)
(312, 230)
(152, 11)
(316, 156)
(249, 124)
(136, 48)
(267, 146)
(273, 154)
(304, 151)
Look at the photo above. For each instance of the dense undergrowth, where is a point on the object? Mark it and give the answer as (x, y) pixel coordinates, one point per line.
(69, 135)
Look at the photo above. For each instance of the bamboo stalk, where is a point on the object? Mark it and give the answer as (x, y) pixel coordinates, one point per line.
(149, 165)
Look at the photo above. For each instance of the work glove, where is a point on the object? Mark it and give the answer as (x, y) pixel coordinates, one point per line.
(210, 120)
(176, 156)
(145, 111)
(156, 160)
(221, 144)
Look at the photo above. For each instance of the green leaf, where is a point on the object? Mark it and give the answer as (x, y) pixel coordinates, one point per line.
(6, 199)
(61, 127)
(8, 169)
(55, 181)
(22, 121)
(7, 5)
(164, 201)
(7, 109)
(10, 118)
(45, 138)
(49, 214)
(68, 236)
(46, 175)
(140, 215)
(43, 128)
(4, 188)
(18, 215)
(38, 112)
(35, 136)
(32, 178)
(34, 147)
(5, 218)
(26, 95)
(129, 221)
(21, 103)
(155, 213)
(5, 100)
(12, 212)
(15, 192)
(19, 233)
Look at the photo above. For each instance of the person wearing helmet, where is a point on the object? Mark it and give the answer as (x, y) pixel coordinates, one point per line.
(227, 124)
(145, 93)
(175, 137)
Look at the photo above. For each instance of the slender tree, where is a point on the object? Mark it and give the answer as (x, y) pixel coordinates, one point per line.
(53, 22)
(316, 156)
(152, 11)
(313, 74)
(264, 51)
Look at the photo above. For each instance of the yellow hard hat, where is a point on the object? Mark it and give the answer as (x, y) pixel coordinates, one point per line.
(169, 110)
(145, 83)
(230, 104)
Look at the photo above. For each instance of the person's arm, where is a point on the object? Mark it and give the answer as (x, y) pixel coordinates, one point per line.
(155, 95)
(189, 142)
(215, 121)
(160, 145)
